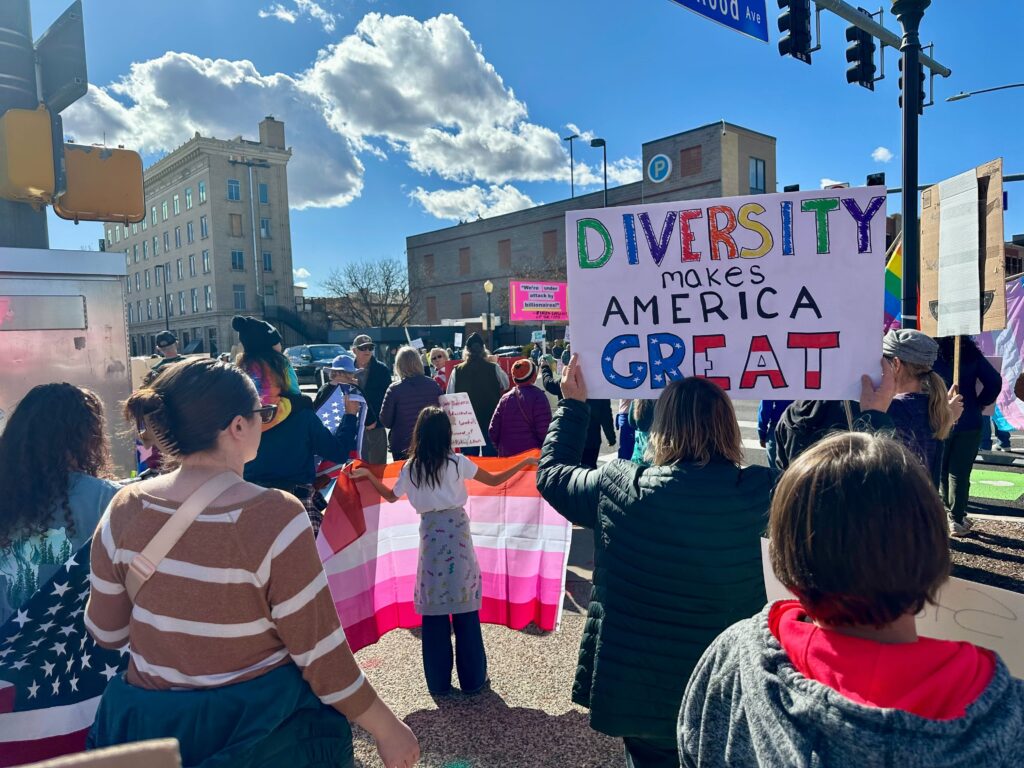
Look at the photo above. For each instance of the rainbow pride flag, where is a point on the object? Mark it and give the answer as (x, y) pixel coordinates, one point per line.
(522, 546)
(894, 286)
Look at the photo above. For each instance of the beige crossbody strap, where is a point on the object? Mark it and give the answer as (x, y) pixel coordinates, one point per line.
(144, 564)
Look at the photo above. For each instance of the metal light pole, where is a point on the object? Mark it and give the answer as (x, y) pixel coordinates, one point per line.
(488, 288)
(966, 94)
(909, 13)
(604, 148)
(572, 165)
(167, 298)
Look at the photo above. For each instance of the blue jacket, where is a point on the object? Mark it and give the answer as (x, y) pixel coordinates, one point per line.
(768, 414)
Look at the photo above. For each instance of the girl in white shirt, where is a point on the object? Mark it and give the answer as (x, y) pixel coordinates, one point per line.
(448, 583)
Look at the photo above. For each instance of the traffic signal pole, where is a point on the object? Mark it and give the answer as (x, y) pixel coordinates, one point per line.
(21, 225)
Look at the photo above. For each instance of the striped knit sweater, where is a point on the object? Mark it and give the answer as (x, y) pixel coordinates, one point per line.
(241, 593)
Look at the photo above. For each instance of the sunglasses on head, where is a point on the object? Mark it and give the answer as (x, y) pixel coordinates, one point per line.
(365, 347)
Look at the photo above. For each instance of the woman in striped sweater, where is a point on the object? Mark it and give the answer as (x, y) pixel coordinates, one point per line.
(234, 643)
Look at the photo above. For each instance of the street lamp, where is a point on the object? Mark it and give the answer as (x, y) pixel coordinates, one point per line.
(488, 287)
(965, 94)
(604, 148)
(572, 170)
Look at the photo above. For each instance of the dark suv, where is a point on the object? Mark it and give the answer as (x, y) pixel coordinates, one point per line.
(308, 359)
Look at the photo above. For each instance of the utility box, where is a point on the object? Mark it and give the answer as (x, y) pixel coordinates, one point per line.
(62, 319)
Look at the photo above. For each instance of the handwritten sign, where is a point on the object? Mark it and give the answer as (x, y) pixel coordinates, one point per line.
(538, 336)
(769, 296)
(537, 302)
(416, 343)
(458, 340)
(465, 429)
(975, 613)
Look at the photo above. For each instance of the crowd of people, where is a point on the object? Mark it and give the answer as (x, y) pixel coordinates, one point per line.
(237, 651)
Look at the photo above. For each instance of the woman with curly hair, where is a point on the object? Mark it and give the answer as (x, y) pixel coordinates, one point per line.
(53, 455)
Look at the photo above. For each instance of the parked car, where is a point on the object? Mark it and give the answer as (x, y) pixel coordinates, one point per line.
(309, 359)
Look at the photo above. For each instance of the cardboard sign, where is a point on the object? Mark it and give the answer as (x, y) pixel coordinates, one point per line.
(962, 254)
(534, 303)
(465, 429)
(416, 343)
(975, 613)
(769, 296)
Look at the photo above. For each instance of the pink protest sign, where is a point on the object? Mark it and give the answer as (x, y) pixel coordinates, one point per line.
(533, 302)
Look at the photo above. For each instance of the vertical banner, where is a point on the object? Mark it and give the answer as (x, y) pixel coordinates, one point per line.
(770, 296)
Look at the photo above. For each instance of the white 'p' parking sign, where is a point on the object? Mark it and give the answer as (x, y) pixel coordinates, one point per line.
(659, 168)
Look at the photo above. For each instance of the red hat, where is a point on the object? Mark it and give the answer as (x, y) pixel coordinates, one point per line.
(524, 372)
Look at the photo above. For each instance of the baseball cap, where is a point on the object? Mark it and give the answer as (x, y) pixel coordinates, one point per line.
(361, 340)
(164, 338)
(344, 363)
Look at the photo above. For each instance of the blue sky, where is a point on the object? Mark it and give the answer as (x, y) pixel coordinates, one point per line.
(399, 125)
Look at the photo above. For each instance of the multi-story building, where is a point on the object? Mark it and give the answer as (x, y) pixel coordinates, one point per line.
(447, 267)
(216, 241)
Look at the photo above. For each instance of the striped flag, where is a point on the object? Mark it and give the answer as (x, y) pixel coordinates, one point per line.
(894, 285)
(522, 546)
(52, 674)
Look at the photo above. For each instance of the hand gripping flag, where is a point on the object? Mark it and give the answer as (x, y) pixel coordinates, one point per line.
(51, 673)
(522, 546)
(331, 413)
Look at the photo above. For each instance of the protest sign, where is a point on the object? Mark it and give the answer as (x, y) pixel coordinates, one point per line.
(966, 611)
(416, 343)
(537, 337)
(769, 296)
(458, 340)
(465, 429)
(531, 302)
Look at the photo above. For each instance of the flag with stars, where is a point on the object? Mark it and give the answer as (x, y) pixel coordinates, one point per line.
(331, 412)
(52, 674)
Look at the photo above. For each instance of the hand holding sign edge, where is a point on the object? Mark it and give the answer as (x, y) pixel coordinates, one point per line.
(878, 398)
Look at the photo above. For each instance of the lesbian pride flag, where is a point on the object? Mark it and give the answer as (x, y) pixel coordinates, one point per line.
(521, 543)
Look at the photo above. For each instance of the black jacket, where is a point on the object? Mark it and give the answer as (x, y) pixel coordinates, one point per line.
(805, 422)
(286, 454)
(378, 379)
(677, 559)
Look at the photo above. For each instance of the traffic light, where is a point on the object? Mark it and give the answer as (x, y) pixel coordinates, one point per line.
(795, 23)
(920, 82)
(860, 53)
(26, 156)
(103, 184)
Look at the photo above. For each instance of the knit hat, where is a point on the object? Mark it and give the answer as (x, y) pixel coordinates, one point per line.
(475, 339)
(256, 335)
(910, 346)
(524, 372)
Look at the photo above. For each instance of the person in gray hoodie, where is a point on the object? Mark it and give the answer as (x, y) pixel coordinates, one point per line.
(840, 676)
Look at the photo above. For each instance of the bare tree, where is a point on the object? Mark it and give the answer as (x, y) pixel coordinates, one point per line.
(373, 294)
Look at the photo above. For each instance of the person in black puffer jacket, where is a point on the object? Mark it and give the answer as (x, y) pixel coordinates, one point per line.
(677, 556)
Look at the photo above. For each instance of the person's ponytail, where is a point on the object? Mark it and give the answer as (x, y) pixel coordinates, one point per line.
(940, 416)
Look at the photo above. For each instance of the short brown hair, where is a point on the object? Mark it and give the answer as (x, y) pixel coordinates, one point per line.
(694, 421)
(858, 532)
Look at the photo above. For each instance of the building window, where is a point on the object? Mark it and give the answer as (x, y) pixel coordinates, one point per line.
(167, 272)
(135, 252)
(756, 176)
(177, 237)
(432, 309)
(270, 294)
(235, 220)
(170, 304)
(212, 332)
(238, 261)
(689, 161)
(146, 279)
(550, 246)
(117, 234)
(154, 216)
(158, 272)
(149, 309)
(167, 241)
(208, 297)
(428, 265)
(467, 304)
(127, 257)
(188, 198)
(128, 282)
(163, 210)
(138, 284)
(145, 250)
(264, 227)
(181, 302)
(206, 262)
(177, 205)
(463, 261)
(204, 227)
(234, 190)
(135, 228)
(504, 254)
(181, 275)
(145, 223)
(138, 310)
(202, 191)
(264, 194)
(159, 306)
(239, 294)
(268, 261)
(190, 232)
(131, 314)
(156, 246)
(194, 295)
(191, 265)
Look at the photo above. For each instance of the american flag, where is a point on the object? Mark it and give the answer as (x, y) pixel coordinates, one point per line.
(52, 674)
(331, 413)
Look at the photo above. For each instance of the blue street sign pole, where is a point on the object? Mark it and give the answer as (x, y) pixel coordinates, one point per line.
(748, 17)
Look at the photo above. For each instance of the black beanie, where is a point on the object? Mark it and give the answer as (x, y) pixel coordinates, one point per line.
(256, 335)
(475, 339)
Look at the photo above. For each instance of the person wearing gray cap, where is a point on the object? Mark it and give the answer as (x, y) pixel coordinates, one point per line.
(373, 378)
(923, 411)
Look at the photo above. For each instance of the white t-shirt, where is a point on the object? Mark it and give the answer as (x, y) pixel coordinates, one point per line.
(450, 493)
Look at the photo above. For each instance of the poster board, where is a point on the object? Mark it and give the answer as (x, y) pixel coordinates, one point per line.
(537, 337)
(992, 265)
(458, 340)
(533, 302)
(465, 428)
(966, 611)
(770, 296)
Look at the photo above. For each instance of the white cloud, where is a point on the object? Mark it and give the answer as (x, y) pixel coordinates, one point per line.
(826, 182)
(301, 8)
(471, 202)
(882, 155)
(301, 273)
(423, 90)
(301, 285)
